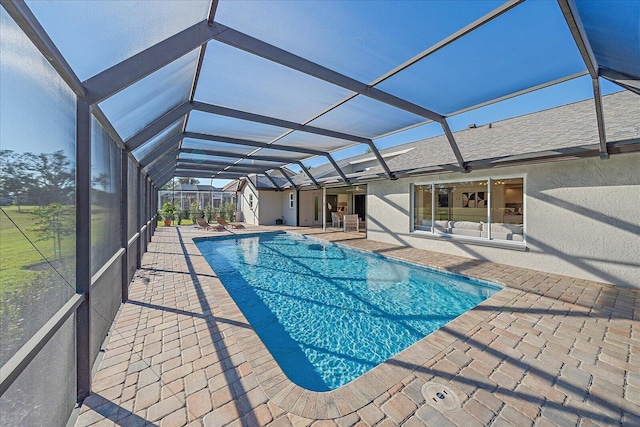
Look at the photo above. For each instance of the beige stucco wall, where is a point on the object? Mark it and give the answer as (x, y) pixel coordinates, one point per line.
(307, 207)
(582, 218)
(270, 205)
(250, 214)
(267, 206)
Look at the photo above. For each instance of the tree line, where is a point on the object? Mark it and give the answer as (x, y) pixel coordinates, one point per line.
(36, 179)
(45, 181)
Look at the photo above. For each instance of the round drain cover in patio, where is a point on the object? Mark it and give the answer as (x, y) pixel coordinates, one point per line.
(441, 397)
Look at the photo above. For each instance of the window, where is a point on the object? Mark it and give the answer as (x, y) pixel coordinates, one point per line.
(316, 208)
(488, 209)
(422, 212)
(290, 200)
(251, 201)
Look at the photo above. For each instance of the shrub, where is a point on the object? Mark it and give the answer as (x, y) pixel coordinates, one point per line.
(168, 211)
(179, 215)
(228, 211)
(209, 214)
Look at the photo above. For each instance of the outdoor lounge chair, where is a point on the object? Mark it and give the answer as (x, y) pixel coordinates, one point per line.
(226, 224)
(335, 219)
(204, 225)
(351, 221)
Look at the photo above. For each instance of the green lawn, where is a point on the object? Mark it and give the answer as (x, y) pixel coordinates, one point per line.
(19, 260)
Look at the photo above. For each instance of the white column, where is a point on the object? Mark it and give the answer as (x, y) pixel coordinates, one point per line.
(324, 208)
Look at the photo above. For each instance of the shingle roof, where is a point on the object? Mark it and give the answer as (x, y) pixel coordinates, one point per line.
(566, 126)
(327, 169)
(261, 182)
(196, 187)
(233, 186)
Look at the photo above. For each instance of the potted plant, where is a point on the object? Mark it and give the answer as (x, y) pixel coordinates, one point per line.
(168, 211)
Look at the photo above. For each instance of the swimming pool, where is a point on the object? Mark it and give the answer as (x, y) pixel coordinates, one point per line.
(328, 313)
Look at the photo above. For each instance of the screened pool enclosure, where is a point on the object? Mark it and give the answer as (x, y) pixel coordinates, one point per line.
(202, 196)
(102, 103)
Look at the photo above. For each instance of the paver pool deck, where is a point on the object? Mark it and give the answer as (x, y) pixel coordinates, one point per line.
(546, 350)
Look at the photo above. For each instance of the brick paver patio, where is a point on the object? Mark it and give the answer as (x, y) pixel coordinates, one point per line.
(547, 350)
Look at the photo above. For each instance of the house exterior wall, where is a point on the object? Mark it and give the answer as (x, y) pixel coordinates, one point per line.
(307, 207)
(249, 213)
(582, 218)
(270, 206)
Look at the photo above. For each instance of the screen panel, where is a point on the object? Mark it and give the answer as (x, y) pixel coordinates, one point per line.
(205, 157)
(246, 82)
(89, 33)
(613, 30)
(235, 128)
(313, 141)
(288, 155)
(360, 39)
(135, 107)
(266, 164)
(132, 198)
(366, 117)
(486, 64)
(105, 196)
(157, 140)
(38, 192)
(45, 392)
(106, 298)
(199, 144)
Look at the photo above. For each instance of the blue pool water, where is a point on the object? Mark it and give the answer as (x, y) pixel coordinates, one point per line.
(328, 313)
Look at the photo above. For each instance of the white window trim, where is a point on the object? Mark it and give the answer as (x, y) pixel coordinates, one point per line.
(483, 241)
(291, 200)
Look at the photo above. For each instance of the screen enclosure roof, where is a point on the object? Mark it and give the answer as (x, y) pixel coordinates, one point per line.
(229, 88)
